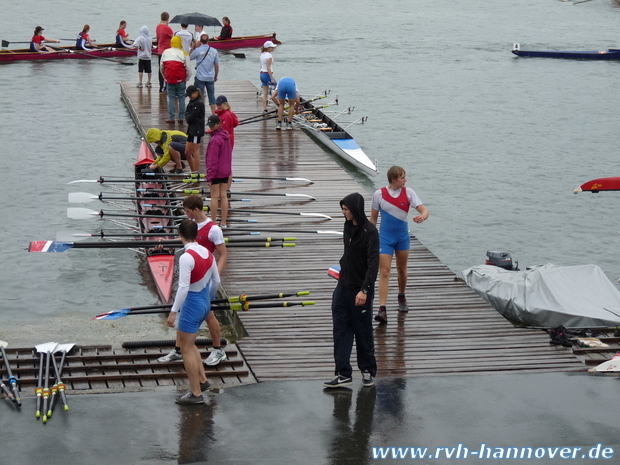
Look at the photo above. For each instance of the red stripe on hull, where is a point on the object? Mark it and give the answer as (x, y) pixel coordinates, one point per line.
(162, 269)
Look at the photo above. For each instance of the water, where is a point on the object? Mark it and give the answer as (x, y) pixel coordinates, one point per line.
(493, 144)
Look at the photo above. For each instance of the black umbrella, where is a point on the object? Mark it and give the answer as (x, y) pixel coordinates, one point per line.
(196, 19)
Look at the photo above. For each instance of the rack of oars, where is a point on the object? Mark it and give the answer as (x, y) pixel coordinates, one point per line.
(49, 387)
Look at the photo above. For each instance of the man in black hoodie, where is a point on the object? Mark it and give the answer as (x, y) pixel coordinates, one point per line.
(352, 298)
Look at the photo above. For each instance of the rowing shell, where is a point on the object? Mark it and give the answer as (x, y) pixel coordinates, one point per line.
(335, 139)
(160, 261)
(600, 184)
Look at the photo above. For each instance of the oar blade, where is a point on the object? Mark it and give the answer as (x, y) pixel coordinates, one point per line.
(112, 315)
(82, 197)
(73, 236)
(3, 343)
(316, 215)
(46, 347)
(49, 246)
(83, 180)
(81, 213)
(64, 347)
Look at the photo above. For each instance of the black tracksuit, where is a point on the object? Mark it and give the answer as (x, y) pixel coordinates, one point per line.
(358, 272)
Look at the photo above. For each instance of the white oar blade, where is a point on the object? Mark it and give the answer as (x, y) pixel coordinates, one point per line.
(300, 195)
(47, 347)
(330, 232)
(83, 180)
(64, 347)
(82, 197)
(301, 179)
(81, 213)
(316, 215)
(3, 343)
(72, 236)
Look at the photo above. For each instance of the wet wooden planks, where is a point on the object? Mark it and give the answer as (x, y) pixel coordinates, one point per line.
(103, 368)
(449, 330)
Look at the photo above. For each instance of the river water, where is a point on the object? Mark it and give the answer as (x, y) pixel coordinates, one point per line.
(492, 143)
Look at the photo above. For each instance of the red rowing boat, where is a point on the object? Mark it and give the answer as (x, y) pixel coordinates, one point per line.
(111, 50)
(600, 184)
(160, 261)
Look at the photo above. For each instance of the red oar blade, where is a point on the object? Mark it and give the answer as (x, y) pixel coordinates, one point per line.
(600, 184)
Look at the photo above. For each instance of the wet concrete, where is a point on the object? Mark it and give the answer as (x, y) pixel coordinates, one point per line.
(299, 422)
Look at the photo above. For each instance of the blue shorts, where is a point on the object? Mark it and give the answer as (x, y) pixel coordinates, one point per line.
(286, 89)
(265, 79)
(194, 311)
(210, 86)
(387, 245)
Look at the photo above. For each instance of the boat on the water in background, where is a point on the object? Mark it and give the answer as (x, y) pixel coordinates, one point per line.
(600, 184)
(611, 54)
(112, 50)
(63, 53)
(333, 137)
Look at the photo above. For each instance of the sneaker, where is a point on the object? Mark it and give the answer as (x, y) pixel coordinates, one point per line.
(381, 315)
(181, 121)
(205, 386)
(215, 357)
(149, 85)
(264, 112)
(177, 171)
(139, 86)
(279, 126)
(402, 304)
(338, 381)
(367, 379)
(173, 356)
(289, 126)
(189, 398)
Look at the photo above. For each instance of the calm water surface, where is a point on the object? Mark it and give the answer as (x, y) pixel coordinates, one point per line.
(493, 144)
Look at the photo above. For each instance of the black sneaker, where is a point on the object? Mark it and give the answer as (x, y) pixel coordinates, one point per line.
(402, 303)
(367, 379)
(205, 386)
(189, 398)
(338, 381)
(381, 315)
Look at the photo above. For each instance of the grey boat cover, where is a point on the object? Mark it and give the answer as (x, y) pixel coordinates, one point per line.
(549, 295)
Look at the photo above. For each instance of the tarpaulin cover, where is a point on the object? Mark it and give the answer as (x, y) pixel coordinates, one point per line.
(549, 295)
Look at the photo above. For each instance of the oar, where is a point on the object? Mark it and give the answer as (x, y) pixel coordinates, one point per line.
(59, 387)
(293, 231)
(64, 348)
(72, 236)
(39, 389)
(232, 300)
(47, 348)
(270, 212)
(6, 43)
(235, 240)
(245, 306)
(59, 247)
(258, 117)
(12, 379)
(236, 55)
(89, 55)
(86, 213)
(193, 177)
(600, 184)
(85, 197)
(205, 192)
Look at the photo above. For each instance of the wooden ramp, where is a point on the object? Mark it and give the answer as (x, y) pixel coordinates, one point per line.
(449, 329)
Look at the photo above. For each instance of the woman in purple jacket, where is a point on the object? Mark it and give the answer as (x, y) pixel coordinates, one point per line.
(219, 167)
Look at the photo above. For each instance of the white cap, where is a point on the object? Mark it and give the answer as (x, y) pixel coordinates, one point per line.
(269, 44)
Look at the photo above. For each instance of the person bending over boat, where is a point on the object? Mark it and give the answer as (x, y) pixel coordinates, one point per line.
(144, 44)
(286, 90)
(172, 145)
(352, 298)
(84, 41)
(210, 237)
(219, 167)
(122, 38)
(227, 31)
(266, 70)
(199, 281)
(36, 44)
(394, 203)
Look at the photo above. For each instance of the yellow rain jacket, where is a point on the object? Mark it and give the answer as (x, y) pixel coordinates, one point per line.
(163, 140)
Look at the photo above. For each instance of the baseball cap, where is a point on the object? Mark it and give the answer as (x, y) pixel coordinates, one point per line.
(221, 99)
(190, 90)
(269, 44)
(39, 29)
(213, 120)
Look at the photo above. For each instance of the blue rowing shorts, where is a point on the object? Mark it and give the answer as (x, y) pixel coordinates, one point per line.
(387, 245)
(194, 311)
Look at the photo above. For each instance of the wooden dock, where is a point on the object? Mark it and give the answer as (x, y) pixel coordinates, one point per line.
(449, 329)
